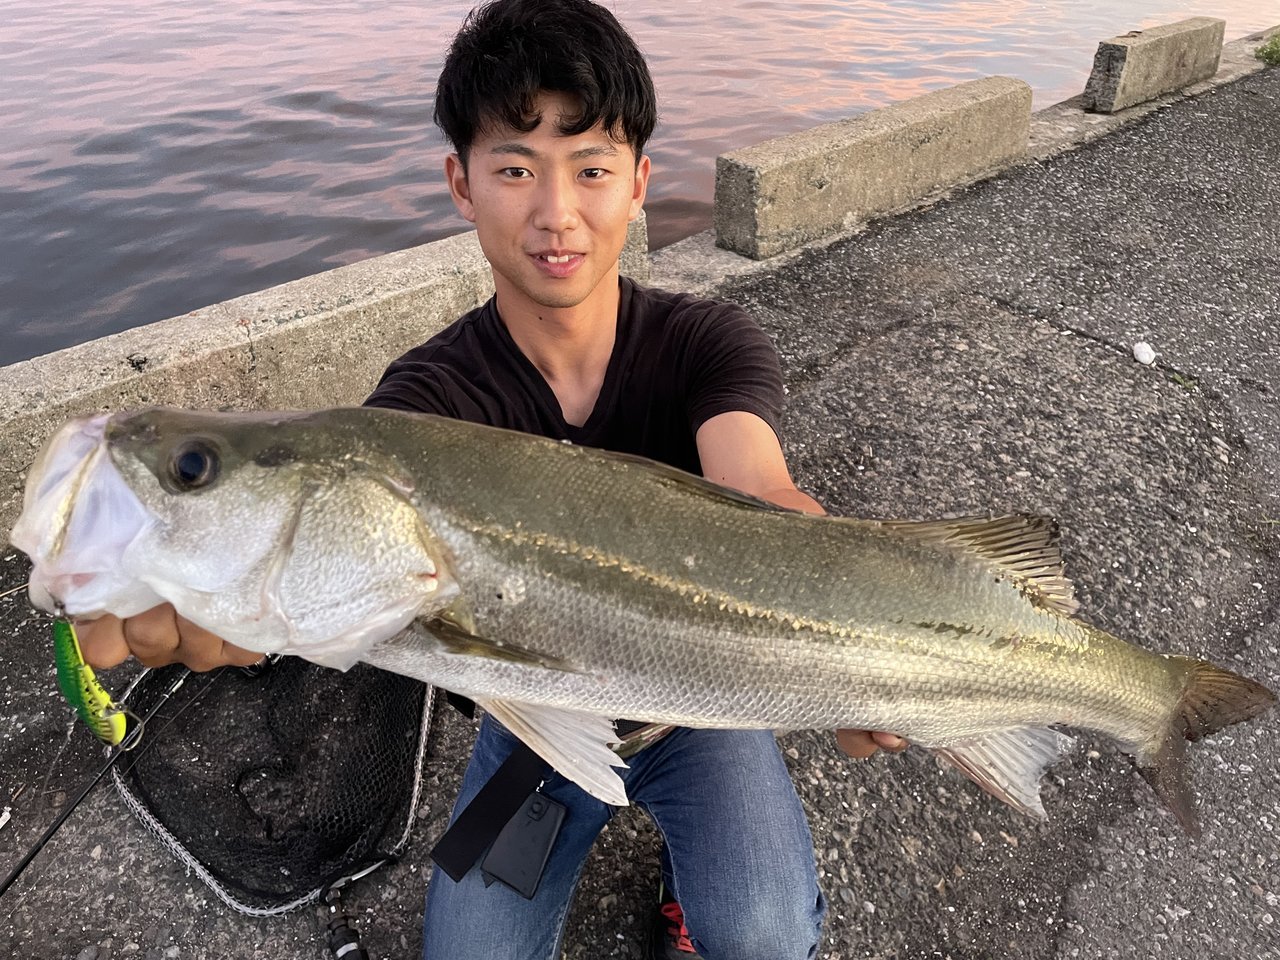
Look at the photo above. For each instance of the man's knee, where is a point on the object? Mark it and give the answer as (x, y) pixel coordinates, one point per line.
(790, 929)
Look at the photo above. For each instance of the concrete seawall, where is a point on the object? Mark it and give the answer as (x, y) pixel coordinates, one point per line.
(323, 340)
(1144, 64)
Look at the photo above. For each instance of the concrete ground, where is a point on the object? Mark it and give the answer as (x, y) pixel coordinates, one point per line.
(973, 357)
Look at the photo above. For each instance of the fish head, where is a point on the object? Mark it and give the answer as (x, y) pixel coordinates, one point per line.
(279, 532)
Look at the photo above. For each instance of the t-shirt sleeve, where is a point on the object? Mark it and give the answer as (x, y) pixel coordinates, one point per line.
(415, 386)
(733, 365)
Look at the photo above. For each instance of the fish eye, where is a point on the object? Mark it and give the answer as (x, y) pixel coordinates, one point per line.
(193, 465)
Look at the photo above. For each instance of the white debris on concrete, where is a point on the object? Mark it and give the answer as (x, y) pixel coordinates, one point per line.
(1143, 353)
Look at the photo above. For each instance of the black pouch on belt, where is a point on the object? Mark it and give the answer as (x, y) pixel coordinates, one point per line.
(519, 855)
(499, 804)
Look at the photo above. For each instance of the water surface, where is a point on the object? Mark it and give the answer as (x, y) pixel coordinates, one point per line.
(160, 156)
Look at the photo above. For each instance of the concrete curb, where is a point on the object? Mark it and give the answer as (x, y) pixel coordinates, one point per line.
(699, 265)
(1145, 64)
(777, 195)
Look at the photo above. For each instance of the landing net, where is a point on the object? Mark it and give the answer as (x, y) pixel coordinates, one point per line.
(273, 787)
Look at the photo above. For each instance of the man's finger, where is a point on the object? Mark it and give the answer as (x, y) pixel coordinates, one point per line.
(153, 636)
(856, 743)
(889, 741)
(102, 641)
(201, 650)
(239, 656)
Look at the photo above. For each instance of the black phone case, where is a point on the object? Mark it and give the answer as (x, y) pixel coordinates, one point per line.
(519, 854)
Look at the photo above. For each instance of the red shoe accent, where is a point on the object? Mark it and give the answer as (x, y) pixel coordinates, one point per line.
(677, 930)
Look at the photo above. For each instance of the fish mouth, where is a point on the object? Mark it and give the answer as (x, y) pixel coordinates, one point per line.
(78, 520)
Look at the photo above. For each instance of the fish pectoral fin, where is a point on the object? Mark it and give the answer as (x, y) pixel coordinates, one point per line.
(1008, 764)
(452, 629)
(576, 744)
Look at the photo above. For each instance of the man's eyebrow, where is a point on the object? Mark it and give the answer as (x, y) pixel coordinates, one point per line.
(586, 153)
(514, 147)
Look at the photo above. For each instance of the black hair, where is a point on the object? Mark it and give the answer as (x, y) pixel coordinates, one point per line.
(509, 51)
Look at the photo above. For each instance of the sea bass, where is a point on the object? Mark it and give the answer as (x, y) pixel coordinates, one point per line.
(558, 586)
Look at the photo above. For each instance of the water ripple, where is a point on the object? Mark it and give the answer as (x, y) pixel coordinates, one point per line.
(160, 155)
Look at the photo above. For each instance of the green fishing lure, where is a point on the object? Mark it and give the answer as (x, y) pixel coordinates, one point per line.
(82, 690)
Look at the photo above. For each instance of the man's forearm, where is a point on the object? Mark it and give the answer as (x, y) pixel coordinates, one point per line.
(793, 499)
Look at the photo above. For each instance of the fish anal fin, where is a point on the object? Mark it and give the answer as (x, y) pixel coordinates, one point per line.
(1021, 547)
(576, 744)
(452, 628)
(1008, 764)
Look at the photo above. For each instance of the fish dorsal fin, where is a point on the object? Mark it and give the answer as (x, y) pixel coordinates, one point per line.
(1021, 547)
(1008, 764)
(576, 744)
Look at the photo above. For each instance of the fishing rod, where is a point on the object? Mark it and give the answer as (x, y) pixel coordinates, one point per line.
(132, 739)
(113, 725)
(122, 731)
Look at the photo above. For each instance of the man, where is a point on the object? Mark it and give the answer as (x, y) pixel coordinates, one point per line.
(548, 105)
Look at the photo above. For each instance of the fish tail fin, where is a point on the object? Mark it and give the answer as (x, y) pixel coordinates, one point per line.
(1212, 698)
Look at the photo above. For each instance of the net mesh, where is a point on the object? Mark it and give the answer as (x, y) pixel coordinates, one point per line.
(274, 785)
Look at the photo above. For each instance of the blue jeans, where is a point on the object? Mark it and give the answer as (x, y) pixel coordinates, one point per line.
(739, 854)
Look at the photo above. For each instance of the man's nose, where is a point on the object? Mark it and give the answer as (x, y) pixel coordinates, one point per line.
(556, 210)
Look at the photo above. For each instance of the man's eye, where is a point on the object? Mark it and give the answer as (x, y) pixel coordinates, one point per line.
(516, 173)
(594, 173)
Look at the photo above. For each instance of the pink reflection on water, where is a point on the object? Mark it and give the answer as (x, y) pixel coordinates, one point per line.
(161, 155)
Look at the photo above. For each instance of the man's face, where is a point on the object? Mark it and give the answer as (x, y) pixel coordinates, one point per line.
(551, 211)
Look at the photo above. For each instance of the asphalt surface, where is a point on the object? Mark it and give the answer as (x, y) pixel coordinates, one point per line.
(973, 357)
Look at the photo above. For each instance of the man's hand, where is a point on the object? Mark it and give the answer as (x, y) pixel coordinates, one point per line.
(863, 743)
(157, 637)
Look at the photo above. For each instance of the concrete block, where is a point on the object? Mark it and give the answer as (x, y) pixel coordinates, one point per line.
(317, 342)
(1145, 64)
(634, 262)
(780, 194)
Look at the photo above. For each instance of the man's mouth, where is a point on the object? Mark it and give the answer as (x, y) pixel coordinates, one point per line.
(558, 265)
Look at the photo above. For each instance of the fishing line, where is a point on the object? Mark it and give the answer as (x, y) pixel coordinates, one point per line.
(173, 688)
(130, 741)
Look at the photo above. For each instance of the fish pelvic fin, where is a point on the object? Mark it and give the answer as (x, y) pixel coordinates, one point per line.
(1008, 764)
(576, 744)
(1022, 548)
(1212, 698)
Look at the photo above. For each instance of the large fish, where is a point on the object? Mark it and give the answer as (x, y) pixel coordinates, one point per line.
(559, 585)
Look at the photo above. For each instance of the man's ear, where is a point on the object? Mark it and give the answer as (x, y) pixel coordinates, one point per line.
(456, 175)
(639, 188)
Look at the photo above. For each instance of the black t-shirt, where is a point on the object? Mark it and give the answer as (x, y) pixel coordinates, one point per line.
(677, 362)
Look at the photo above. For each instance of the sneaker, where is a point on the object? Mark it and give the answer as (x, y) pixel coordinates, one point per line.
(668, 936)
